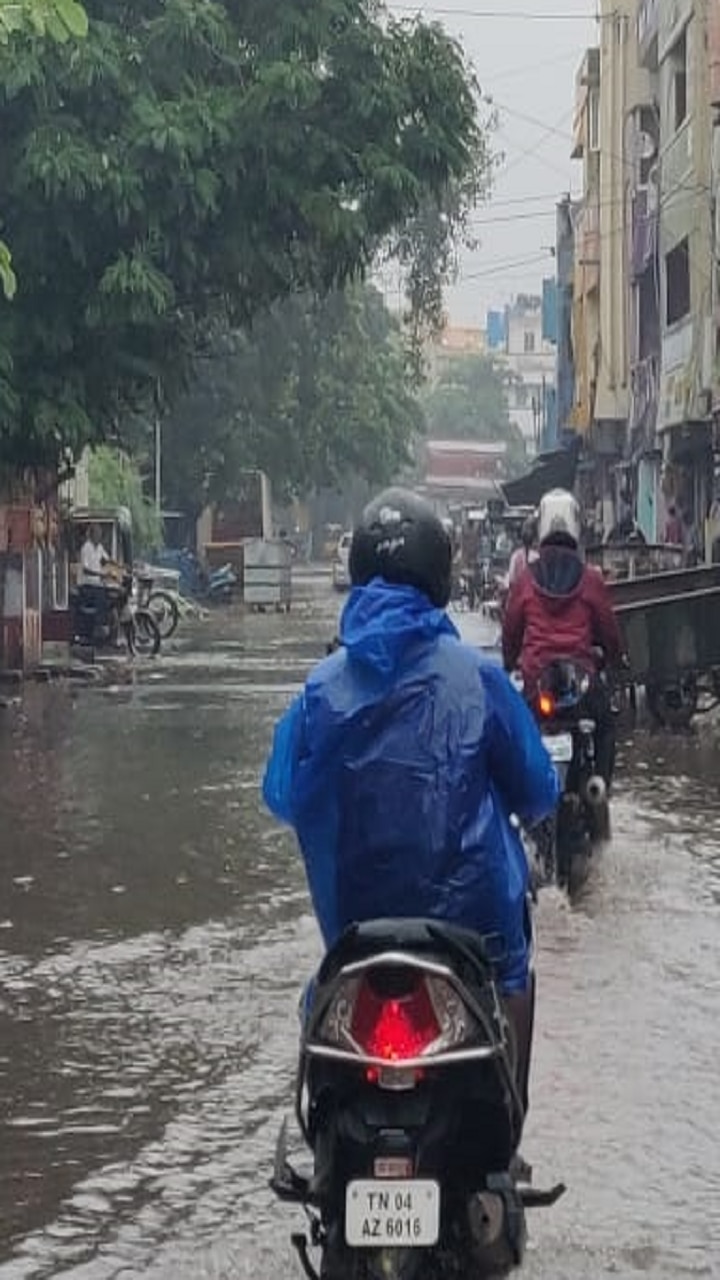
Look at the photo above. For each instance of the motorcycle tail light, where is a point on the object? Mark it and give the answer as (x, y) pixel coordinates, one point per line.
(546, 705)
(399, 1017)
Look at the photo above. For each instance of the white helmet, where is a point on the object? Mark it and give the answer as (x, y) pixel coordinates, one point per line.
(559, 517)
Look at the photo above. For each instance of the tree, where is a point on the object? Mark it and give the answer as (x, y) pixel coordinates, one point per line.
(317, 392)
(470, 402)
(115, 481)
(193, 162)
(59, 19)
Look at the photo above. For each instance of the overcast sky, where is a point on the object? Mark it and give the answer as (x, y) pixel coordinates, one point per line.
(525, 54)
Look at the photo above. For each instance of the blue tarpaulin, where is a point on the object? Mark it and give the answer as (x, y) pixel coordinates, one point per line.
(496, 330)
(549, 311)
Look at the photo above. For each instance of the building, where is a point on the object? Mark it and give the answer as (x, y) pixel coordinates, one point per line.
(458, 472)
(642, 146)
(642, 343)
(567, 215)
(612, 91)
(453, 343)
(686, 252)
(528, 356)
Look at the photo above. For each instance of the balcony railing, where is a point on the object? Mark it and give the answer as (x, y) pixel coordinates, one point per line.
(677, 161)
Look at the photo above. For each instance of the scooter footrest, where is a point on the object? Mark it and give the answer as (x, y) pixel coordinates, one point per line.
(291, 1186)
(534, 1198)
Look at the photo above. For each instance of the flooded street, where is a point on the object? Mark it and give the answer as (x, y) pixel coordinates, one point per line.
(154, 933)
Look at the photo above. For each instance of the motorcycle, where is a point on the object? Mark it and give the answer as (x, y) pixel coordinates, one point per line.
(406, 1095)
(566, 841)
(104, 614)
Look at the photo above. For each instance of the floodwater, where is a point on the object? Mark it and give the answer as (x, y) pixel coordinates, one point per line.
(154, 933)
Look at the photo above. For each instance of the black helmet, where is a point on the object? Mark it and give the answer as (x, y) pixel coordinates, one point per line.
(399, 538)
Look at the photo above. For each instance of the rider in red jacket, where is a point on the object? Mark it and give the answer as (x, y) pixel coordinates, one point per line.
(561, 608)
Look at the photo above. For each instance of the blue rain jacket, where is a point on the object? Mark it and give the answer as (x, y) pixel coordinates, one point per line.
(399, 766)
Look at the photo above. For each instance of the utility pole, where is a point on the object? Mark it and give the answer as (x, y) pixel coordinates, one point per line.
(158, 452)
(158, 465)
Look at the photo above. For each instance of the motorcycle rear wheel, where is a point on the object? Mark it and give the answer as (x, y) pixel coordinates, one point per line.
(144, 637)
(375, 1264)
(164, 609)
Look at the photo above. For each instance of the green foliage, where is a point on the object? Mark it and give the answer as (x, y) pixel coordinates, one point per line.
(187, 165)
(317, 393)
(8, 281)
(116, 482)
(470, 402)
(59, 19)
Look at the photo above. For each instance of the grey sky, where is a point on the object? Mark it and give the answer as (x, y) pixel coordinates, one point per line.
(526, 61)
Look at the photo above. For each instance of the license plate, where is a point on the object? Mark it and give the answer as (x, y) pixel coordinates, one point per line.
(559, 747)
(402, 1212)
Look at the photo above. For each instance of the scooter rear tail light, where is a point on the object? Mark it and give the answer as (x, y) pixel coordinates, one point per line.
(394, 1015)
(395, 1028)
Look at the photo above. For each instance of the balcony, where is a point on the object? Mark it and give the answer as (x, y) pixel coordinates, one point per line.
(648, 30)
(645, 226)
(588, 77)
(677, 161)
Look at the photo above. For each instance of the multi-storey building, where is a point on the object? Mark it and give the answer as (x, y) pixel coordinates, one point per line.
(686, 253)
(528, 357)
(645, 344)
(642, 146)
(612, 93)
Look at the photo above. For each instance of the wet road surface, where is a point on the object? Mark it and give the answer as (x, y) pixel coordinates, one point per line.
(154, 933)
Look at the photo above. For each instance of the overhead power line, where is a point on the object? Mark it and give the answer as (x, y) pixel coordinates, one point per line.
(522, 15)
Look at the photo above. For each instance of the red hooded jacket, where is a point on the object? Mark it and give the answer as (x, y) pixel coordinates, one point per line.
(559, 608)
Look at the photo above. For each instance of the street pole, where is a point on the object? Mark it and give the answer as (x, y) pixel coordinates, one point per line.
(158, 465)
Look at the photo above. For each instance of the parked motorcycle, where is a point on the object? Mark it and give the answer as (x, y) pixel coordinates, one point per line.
(106, 615)
(407, 1098)
(565, 842)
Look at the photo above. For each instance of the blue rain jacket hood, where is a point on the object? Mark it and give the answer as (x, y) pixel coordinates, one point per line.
(399, 767)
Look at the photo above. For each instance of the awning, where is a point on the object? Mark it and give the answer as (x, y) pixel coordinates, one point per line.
(556, 470)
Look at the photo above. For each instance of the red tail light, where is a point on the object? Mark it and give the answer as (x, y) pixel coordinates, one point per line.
(394, 1028)
(546, 705)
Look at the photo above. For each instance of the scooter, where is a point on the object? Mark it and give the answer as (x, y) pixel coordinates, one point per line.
(407, 1098)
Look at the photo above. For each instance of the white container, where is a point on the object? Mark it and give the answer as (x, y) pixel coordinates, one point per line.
(267, 573)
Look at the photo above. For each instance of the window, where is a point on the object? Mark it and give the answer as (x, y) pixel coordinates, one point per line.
(594, 120)
(677, 62)
(529, 343)
(677, 283)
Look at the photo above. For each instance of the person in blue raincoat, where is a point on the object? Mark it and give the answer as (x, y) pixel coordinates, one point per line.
(401, 763)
